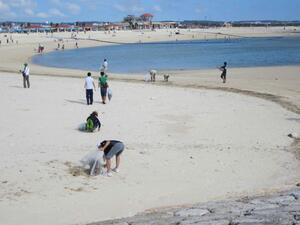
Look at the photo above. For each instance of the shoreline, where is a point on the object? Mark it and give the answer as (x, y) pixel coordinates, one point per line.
(275, 84)
(141, 72)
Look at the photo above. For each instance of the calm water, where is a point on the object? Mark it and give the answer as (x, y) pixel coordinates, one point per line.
(134, 58)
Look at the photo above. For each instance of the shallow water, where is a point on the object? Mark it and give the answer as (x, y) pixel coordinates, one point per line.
(180, 55)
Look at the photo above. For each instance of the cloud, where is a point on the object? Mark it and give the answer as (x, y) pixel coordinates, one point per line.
(198, 10)
(29, 12)
(157, 8)
(119, 7)
(4, 7)
(129, 8)
(15, 8)
(5, 11)
(73, 8)
(56, 2)
(42, 15)
(56, 12)
(137, 9)
(22, 3)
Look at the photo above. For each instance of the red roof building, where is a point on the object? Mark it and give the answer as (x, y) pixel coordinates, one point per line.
(146, 17)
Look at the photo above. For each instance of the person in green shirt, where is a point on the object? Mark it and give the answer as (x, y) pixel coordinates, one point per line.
(103, 85)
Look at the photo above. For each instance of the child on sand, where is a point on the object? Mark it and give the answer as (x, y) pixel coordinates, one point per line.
(92, 122)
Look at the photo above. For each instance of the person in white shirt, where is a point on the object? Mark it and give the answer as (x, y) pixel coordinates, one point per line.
(104, 66)
(89, 85)
(25, 73)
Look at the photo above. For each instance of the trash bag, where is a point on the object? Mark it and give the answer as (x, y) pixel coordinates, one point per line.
(94, 160)
(147, 77)
(109, 93)
(82, 127)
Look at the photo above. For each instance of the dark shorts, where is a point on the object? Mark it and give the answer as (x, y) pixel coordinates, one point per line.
(223, 75)
(116, 150)
(103, 91)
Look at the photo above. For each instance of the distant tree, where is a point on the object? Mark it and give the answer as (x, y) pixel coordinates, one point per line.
(132, 20)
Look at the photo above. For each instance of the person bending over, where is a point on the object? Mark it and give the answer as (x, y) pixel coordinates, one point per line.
(111, 148)
(92, 122)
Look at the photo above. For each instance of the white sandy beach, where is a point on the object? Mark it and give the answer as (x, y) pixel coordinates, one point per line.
(184, 144)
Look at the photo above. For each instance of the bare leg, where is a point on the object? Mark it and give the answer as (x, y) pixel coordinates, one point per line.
(118, 159)
(108, 165)
(28, 82)
(24, 82)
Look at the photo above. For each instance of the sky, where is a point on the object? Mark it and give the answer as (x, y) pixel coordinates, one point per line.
(116, 10)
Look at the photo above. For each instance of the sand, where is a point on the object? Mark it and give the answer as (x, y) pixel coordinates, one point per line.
(191, 140)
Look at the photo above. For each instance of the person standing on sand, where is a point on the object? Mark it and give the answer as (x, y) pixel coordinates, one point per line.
(224, 72)
(25, 73)
(111, 148)
(89, 86)
(103, 85)
(104, 66)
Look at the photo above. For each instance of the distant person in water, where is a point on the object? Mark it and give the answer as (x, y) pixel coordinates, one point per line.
(89, 86)
(25, 74)
(111, 148)
(92, 122)
(224, 72)
(103, 85)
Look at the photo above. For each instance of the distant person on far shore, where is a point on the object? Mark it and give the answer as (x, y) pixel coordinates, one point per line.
(89, 86)
(152, 75)
(224, 72)
(25, 74)
(103, 85)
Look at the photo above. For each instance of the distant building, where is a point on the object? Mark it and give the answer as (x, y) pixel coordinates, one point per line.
(146, 17)
(227, 24)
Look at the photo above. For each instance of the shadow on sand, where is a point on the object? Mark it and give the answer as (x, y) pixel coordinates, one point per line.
(82, 102)
(16, 86)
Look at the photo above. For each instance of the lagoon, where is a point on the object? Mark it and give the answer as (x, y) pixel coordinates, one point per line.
(179, 55)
